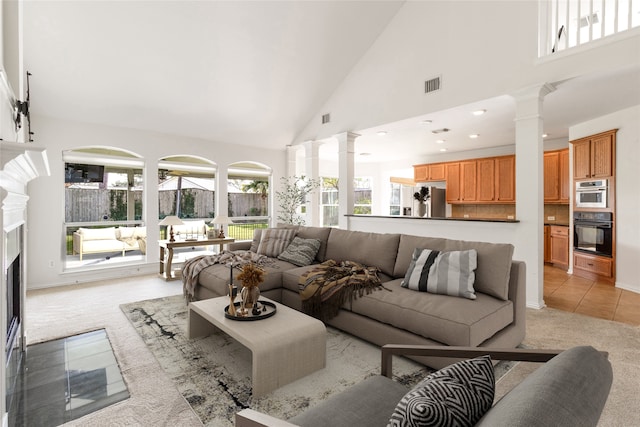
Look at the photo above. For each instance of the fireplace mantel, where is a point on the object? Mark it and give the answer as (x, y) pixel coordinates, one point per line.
(20, 163)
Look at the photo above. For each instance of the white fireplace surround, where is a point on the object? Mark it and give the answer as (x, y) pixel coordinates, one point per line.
(19, 164)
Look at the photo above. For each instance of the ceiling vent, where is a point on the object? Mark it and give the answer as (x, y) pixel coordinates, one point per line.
(326, 118)
(432, 85)
(443, 130)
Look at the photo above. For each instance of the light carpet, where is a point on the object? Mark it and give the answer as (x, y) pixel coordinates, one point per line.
(214, 373)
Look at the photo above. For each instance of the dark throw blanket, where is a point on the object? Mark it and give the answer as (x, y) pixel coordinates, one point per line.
(325, 288)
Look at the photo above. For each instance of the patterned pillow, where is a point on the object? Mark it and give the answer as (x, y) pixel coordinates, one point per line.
(300, 251)
(447, 273)
(274, 240)
(458, 395)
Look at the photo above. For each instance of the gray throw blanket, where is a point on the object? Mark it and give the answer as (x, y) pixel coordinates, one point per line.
(194, 266)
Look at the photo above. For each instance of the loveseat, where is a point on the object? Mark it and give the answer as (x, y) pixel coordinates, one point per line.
(569, 390)
(109, 239)
(495, 318)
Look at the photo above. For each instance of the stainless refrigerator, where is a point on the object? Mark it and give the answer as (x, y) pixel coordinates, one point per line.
(437, 203)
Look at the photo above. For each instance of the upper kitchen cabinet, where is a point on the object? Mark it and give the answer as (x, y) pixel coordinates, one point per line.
(593, 155)
(430, 172)
(556, 176)
(468, 181)
(506, 179)
(452, 176)
(486, 180)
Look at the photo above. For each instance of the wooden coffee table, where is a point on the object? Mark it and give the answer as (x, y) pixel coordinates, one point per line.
(285, 347)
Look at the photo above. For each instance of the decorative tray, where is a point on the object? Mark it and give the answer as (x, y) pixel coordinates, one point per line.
(267, 309)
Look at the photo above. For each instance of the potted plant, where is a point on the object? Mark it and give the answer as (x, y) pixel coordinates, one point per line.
(421, 196)
(294, 194)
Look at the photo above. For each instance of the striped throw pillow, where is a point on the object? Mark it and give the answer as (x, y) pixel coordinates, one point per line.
(446, 273)
(275, 240)
(458, 395)
(300, 251)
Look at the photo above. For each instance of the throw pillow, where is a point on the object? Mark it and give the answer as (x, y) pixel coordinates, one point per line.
(446, 273)
(300, 251)
(458, 395)
(274, 240)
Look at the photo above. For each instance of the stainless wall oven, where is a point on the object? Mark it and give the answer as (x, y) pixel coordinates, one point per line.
(592, 194)
(592, 232)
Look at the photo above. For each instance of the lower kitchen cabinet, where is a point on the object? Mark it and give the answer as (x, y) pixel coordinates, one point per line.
(592, 266)
(559, 245)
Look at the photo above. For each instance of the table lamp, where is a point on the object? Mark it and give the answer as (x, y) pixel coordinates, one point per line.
(170, 221)
(221, 220)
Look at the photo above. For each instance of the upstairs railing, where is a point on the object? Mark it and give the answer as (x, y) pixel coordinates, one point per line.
(565, 24)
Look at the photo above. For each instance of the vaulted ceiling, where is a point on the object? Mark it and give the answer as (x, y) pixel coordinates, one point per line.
(251, 72)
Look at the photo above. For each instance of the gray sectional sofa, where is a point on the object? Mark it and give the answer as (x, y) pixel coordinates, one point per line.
(496, 318)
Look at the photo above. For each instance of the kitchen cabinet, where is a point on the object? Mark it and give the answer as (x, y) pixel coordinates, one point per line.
(506, 179)
(452, 176)
(593, 157)
(592, 266)
(559, 245)
(565, 180)
(429, 172)
(556, 176)
(547, 241)
(486, 179)
(468, 180)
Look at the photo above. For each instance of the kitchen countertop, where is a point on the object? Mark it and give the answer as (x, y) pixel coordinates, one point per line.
(438, 219)
(559, 224)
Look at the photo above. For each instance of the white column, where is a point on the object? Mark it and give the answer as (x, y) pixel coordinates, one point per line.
(530, 187)
(222, 191)
(312, 168)
(291, 160)
(346, 173)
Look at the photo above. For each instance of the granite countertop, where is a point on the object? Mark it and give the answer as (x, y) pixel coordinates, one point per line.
(438, 218)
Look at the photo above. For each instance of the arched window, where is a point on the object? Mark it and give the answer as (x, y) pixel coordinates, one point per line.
(104, 223)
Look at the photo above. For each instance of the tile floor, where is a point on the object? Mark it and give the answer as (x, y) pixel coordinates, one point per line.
(65, 379)
(592, 298)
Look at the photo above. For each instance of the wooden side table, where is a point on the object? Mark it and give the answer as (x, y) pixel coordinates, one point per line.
(167, 247)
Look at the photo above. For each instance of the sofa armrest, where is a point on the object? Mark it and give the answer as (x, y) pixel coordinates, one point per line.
(251, 418)
(517, 354)
(77, 242)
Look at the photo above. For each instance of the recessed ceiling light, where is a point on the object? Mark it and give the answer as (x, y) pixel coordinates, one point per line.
(479, 112)
(440, 141)
(544, 135)
(365, 154)
(426, 122)
(381, 132)
(443, 149)
(474, 135)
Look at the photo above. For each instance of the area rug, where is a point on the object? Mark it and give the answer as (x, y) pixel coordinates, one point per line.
(214, 373)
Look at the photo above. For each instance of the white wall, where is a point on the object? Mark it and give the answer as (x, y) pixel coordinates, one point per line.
(46, 204)
(627, 192)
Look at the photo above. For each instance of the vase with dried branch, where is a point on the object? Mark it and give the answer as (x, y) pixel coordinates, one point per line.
(251, 276)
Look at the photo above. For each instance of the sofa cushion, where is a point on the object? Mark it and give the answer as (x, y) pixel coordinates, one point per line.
(123, 233)
(458, 395)
(451, 321)
(494, 265)
(446, 273)
(320, 233)
(275, 240)
(216, 277)
(369, 402)
(257, 234)
(108, 233)
(408, 244)
(371, 249)
(300, 251)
